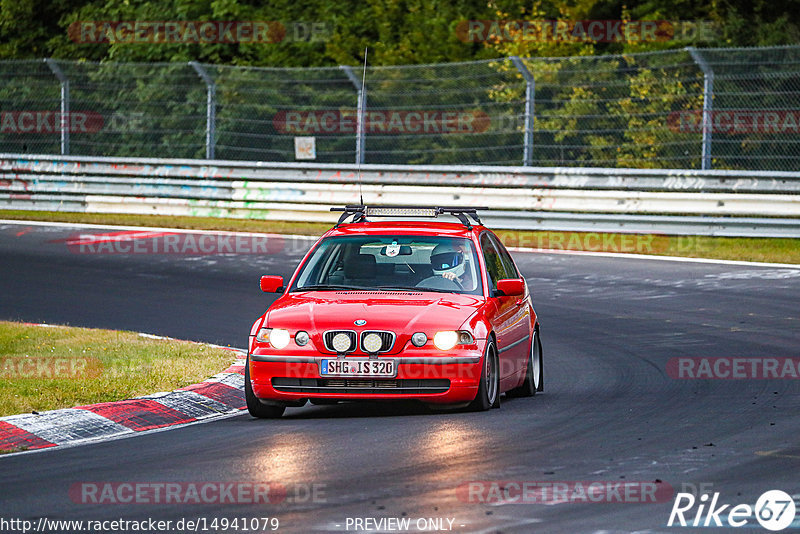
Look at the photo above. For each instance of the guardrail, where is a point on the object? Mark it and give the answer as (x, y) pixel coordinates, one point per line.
(675, 202)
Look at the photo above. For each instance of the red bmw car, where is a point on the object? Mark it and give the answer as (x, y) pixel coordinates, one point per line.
(396, 310)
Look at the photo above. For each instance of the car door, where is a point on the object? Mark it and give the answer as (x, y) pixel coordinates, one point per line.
(522, 315)
(505, 312)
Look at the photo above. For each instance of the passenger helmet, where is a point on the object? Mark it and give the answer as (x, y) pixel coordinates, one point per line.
(446, 258)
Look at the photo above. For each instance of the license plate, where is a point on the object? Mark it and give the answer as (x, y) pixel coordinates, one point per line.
(382, 368)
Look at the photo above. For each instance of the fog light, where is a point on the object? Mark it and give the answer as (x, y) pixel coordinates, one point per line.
(341, 342)
(372, 343)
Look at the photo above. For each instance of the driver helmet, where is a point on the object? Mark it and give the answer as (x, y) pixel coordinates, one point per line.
(447, 258)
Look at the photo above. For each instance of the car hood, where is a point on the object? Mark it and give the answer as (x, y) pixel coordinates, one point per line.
(400, 312)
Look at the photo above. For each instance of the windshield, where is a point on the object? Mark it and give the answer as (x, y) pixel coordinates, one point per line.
(428, 263)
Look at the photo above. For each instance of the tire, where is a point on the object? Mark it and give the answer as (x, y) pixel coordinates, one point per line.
(254, 406)
(534, 372)
(488, 395)
(540, 381)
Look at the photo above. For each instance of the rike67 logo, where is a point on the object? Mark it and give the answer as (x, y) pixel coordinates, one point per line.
(774, 510)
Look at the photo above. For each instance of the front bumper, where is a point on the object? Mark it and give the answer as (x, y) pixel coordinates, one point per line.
(428, 376)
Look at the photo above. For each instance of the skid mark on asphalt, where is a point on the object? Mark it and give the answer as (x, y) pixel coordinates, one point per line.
(757, 274)
(777, 454)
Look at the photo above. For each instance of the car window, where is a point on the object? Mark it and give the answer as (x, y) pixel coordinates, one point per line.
(392, 262)
(494, 265)
(509, 268)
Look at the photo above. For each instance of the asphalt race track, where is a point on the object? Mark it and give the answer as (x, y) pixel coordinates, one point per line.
(611, 413)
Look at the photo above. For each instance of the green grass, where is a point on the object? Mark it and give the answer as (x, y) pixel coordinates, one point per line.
(163, 221)
(12, 450)
(46, 368)
(775, 250)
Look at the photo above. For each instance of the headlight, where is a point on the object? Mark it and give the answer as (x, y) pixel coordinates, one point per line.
(447, 339)
(301, 338)
(419, 339)
(277, 337)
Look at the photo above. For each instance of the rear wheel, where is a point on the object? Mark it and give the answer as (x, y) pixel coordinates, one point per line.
(488, 395)
(533, 372)
(254, 406)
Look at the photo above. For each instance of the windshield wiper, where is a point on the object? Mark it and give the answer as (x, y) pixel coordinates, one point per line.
(416, 289)
(327, 287)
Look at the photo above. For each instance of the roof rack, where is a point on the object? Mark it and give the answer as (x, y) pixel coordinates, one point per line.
(360, 212)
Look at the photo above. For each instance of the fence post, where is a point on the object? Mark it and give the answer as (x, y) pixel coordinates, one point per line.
(211, 108)
(530, 95)
(362, 107)
(708, 97)
(65, 118)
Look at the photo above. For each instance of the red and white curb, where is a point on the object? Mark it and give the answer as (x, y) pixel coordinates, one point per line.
(222, 394)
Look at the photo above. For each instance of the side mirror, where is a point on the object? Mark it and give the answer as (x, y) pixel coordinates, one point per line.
(271, 284)
(511, 287)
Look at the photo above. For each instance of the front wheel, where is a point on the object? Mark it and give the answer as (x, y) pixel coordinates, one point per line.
(254, 406)
(534, 373)
(488, 395)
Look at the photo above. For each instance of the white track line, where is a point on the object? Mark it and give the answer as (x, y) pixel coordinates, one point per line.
(656, 257)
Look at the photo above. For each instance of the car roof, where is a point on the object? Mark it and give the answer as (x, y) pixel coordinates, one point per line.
(408, 227)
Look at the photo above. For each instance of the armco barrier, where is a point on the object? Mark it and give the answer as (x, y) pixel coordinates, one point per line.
(724, 203)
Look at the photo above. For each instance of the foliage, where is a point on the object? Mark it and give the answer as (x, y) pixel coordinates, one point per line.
(397, 31)
(595, 102)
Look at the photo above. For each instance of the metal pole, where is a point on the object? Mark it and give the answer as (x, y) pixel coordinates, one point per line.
(362, 108)
(65, 119)
(708, 98)
(530, 96)
(211, 108)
